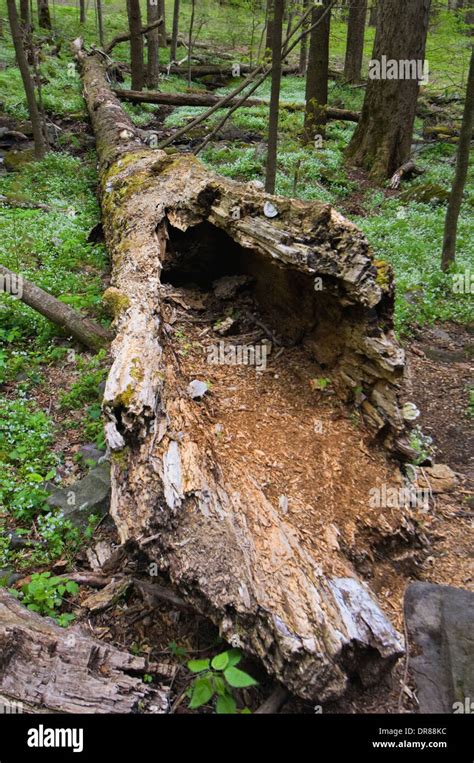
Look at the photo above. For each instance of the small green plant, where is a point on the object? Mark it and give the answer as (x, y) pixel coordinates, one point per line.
(179, 652)
(422, 444)
(218, 678)
(321, 383)
(44, 594)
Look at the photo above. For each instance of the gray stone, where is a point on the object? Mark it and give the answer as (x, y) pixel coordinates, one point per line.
(439, 621)
(90, 452)
(90, 495)
(197, 389)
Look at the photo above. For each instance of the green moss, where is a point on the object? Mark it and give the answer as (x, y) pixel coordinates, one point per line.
(124, 398)
(115, 301)
(383, 273)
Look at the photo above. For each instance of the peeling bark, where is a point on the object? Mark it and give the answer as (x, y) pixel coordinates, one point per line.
(233, 555)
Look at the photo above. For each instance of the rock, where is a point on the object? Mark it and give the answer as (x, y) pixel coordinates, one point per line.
(15, 159)
(197, 389)
(440, 477)
(228, 286)
(90, 495)
(90, 452)
(224, 327)
(445, 356)
(439, 621)
(427, 193)
(8, 577)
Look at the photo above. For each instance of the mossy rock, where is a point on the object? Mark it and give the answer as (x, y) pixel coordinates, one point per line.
(426, 193)
(14, 159)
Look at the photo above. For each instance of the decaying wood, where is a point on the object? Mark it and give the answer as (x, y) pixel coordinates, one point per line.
(87, 332)
(232, 554)
(274, 702)
(406, 170)
(209, 99)
(53, 669)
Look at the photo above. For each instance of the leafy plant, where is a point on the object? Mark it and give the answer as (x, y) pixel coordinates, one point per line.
(44, 594)
(218, 677)
(422, 444)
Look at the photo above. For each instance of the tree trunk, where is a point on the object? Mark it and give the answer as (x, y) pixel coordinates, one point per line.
(317, 77)
(215, 527)
(355, 41)
(33, 110)
(153, 49)
(44, 18)
(73, 673)
(136, 44)
(304, 43)
(382, 140)
(162, 29)
(87, 332)
(373, 13)
(190, 39)
(82, 12)
(174, 36)
(459, 182)
(270, 22)
(25, 14)
(100, 22)
(272, 148)
(209, 99)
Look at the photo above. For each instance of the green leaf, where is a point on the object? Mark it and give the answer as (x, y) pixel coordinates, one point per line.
(238, 678)
(72, 587)
(226, 705)
(235, 655)
(202, 692)
(197, 666)
(220, 661)
(220, 686)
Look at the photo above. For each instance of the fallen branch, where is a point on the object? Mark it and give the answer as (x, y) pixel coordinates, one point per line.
(406, 170)
(274, 702)
(125, 36)
(88, 333)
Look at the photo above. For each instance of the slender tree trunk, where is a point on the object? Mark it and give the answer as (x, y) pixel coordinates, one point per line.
(100, 22)
(304, 43)
(82, 11)
(270, 175)
(382, 140)
(162, 29)
(317, 77)
(270, 19)
(373, 13)
(136, 44)
(25, 15)
(462, 165)
(190, 39)
(35, 118)
(153, 48)
(355, 40)
(44, 17)
(174, 35)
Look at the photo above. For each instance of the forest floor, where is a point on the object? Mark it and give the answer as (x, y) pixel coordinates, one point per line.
(51, 390)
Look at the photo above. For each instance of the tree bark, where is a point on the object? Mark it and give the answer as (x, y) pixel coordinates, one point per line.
(355, 41)
(304, 43)
(100, 22)
(44, 17)
(459, 182)
(153, 48)
(272, 148)
(33, 110)
(175, 32)
(207, 524)
(270, 22)
(25, 14)
(136, 44)
(373, 13)
(190, 39)
(317, 76)
(163, 40)
(82, 12)
(87, 332)
(383, 138)
(73, 673)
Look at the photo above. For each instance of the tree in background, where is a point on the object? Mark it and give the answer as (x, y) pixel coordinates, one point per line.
(190, 39)
(153, 45)
(82, 11)
(162, 29)
(174, 34)
(459, 182)
(355, 40)
(136, 44)
(269, 17)
(100, 20)
(35, 117)
(271, 167)
(373, 13)
(303, 62)
(44, 17)
(317, 77)
(382, 140)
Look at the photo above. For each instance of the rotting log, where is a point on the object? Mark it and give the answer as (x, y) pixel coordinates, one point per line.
(233, 555)
(92, 335)
(209, 99)
(54, 669)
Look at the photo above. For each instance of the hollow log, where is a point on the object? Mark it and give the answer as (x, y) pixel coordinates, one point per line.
(271, 565)
(53, 669)
(209, 99)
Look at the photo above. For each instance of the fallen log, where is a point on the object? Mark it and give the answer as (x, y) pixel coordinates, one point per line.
(125, 37)
(87, 332)
(209, 99)
(53, 669)
(266, 567)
